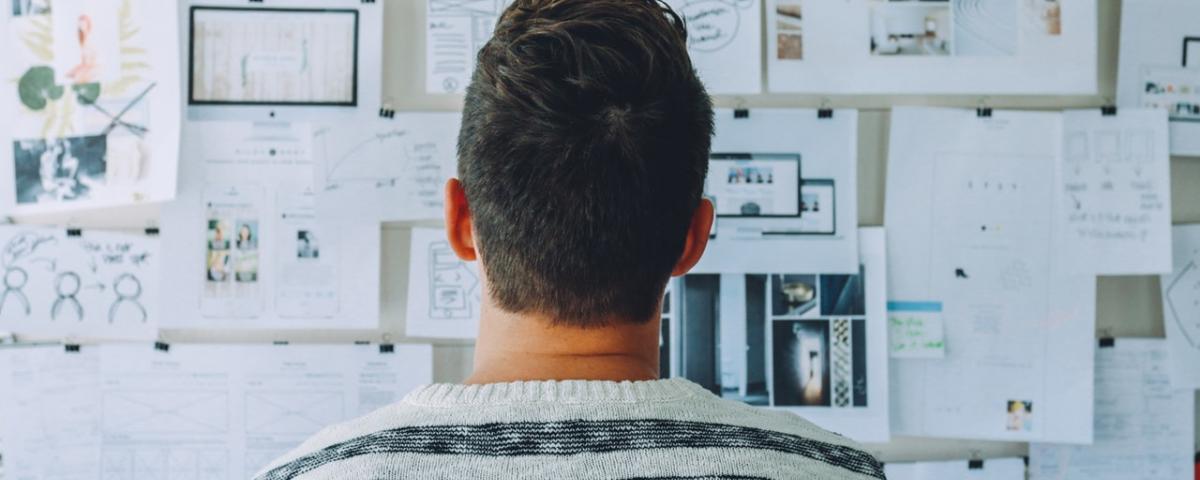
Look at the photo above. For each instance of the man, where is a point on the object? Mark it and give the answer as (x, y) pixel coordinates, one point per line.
(582, 158)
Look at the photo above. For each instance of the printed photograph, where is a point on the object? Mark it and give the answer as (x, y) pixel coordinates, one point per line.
(217, 259)
(306, 245)
(790, 31)
(801, 363)
(985, 27)
(247, 235)
(59, 170)
(1042, 17)
(910, 28)
(793, 295)
(22, 8)
(1020, 416)
(725, 313)
(843, 295)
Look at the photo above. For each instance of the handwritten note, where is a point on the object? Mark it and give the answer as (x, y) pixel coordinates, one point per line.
(724, 38)
(1116, 192)
(915, 330)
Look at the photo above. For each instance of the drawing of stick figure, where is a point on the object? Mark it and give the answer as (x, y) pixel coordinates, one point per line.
(67, 285)
(129, 290)
(14, 283)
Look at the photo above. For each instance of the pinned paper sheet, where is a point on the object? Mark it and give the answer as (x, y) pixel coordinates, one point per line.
(385, 169)
(1144, 424)
(192, 411)
(90, 116)
(455, 31)
(915, 330)
(932, 47)
(1181, 308)
(1115, 201)
(83, 283)
(969, 227)
(990, 469)
(725, 43)
(1160, 65)
(443, 292)
(784, 185)
(246, 246)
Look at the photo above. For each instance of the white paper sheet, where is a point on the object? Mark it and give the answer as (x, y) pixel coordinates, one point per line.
(443, 291)
(245, 246)
(970, 218)
(824, 237)
(1144, 425)
(90, 113)
(1181, 308)
(990, 469)
(385, 169)
(812, 344)
(197, 411)
(1116, 192)
(725, 43)
(455, 30)
(947, 47)
(1160, 65)
(97, 285)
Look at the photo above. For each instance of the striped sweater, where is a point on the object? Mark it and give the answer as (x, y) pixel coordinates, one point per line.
(664, 429)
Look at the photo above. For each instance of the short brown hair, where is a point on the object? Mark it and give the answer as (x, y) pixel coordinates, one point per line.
(583, 153)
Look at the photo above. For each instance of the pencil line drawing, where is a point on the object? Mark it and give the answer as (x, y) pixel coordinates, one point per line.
(713, 24)
(15, 279)
(67, 285)
(129, 291)
(1183, 296)
(292, 412)
(166, 412)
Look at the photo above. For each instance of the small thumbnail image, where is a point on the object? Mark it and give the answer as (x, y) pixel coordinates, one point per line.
(751, 176)
(247, 235)
(1020, 416)
(1042, 17)
(217, 262)
(793, 295)
(910, 27)
(22, 8)
(306, 245)
(59, 169)
(790, 36)
(801, 363)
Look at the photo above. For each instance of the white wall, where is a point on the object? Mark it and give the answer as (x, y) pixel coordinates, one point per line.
(1128, 306)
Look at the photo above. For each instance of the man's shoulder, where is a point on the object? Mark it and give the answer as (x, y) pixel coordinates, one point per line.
(506, 435)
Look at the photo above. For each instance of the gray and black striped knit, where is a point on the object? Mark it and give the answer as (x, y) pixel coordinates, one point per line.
(664, 429)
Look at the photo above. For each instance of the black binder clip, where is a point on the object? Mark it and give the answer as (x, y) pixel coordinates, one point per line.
(368, 1)
(387, 348)
(1107, 342)
(162, 346)
(983, 112)
(741, 113)
(279, 342)
(71, 348)
(1108, 110)
(825, 113)
(976, 464)
(152, 231)
(385, 112)
(74, 232)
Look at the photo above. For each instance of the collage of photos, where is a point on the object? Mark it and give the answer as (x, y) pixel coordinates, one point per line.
(934, 27)
(232, 256)
(778, 340)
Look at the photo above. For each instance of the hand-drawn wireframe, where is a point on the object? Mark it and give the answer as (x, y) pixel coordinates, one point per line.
(293, 412)
(15, 279)
(724, 42)
(452, 286)
(67, 285)
(1183, 300)
(172, 412)
(129, 291)
(714, 24)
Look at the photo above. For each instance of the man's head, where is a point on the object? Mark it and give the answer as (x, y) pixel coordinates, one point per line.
(582, 157)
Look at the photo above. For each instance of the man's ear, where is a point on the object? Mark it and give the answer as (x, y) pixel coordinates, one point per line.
(458, 221)
(697, 238)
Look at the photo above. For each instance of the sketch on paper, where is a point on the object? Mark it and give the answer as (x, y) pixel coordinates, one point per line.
(265, 56)
(293, 412)
(453, 288)
(714, 24)
(86, 92)
(385, 169)
(1160, 66)
(86, 283)
(455, 31)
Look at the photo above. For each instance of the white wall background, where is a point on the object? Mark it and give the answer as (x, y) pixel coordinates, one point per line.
(1128, 306)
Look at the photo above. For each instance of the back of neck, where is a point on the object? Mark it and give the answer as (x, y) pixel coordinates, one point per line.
(517, 347)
